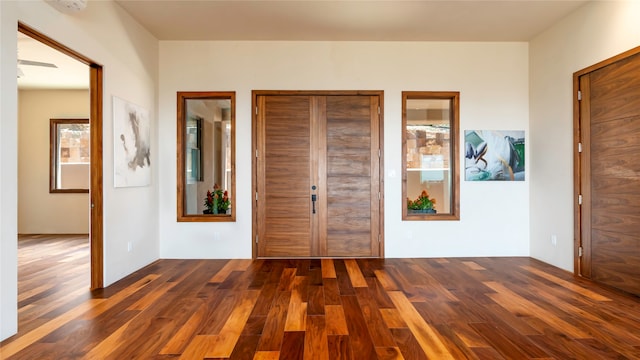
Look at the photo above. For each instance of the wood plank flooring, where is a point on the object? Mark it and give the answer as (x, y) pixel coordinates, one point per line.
(455, 308)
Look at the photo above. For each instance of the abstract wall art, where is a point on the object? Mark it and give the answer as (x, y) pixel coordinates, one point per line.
(494, 155)
(131, 144)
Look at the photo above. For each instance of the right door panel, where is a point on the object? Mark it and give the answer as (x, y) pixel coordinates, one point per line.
(352, 181)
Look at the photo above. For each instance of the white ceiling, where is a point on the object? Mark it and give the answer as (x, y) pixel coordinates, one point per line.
(347, 20)
(310, 20)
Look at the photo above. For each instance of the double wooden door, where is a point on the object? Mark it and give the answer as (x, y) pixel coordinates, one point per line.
(317, 174)
(609, 172)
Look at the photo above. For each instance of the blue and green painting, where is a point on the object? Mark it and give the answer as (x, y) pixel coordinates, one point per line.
(494, 155)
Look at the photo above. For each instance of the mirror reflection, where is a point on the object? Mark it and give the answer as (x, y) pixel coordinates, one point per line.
(430, 179)
(428, 154)
(206, 123)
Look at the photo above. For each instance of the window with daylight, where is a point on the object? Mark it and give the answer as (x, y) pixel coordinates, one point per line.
(69, 156)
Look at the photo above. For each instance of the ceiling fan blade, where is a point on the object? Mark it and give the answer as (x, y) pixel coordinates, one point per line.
(36, 63)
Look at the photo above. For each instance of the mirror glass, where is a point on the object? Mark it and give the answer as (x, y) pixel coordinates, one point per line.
(430, 176)
(206, 134)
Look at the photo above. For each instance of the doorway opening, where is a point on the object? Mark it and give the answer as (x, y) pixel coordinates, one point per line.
(95, 145)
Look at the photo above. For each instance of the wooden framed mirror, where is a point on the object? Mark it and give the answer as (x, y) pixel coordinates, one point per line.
(206, 156)
(430, 179)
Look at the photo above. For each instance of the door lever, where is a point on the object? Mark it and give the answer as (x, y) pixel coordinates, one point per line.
(314, 197)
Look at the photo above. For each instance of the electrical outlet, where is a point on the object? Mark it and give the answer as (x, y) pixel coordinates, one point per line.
(129, 246)
(216, 236)
(554, 240)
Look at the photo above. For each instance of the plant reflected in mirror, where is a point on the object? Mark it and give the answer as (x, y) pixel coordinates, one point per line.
(206, 157)
(216, 201)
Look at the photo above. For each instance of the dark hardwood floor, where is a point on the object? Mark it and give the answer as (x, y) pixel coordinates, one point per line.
(456, 308)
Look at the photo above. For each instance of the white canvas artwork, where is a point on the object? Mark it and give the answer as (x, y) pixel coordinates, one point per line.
(132, 157)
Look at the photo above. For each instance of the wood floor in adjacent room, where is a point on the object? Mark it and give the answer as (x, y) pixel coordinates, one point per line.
(457, 308)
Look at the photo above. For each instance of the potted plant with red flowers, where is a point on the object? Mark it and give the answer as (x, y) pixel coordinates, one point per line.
(422, 204)
(217, 201)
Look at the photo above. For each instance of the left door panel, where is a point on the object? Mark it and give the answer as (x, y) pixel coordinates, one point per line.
(284, 213)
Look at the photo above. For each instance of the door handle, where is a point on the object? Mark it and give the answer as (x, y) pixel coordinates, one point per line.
(314, 197)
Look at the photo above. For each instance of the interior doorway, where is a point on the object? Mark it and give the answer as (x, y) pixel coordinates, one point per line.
(317, 174)
(607, 172)
(95, 121)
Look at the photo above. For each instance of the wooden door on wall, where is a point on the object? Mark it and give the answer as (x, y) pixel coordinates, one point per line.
(609, 172)
(317, 174)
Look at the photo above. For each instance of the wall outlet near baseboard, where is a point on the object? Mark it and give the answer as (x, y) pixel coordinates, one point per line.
(554, 240)
(129, 246)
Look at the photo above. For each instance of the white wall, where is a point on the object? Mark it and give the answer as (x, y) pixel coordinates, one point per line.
(493, 82)
(595, 32)
(8, 180)
(129, 54)
(40, 212)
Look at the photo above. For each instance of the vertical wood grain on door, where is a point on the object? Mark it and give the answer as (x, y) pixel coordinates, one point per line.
(351, 186)
(610, 115)
(330, 142)
(284, 216)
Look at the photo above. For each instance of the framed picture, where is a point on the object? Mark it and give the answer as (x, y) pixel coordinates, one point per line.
(494, 155)
(131, 136)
